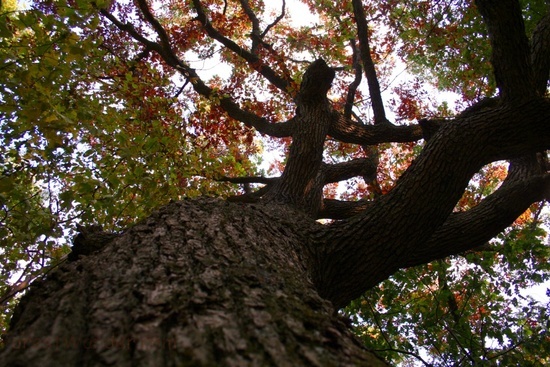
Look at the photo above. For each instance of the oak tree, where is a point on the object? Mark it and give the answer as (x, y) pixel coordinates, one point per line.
(108, 120)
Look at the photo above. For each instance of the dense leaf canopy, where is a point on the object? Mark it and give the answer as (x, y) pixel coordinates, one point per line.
(110, 109)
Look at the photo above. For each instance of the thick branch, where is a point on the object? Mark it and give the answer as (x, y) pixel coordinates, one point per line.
(540, 54)
(368, 64)
(348, 131)
(468, 230)
(358, 253)
(510, 55)
(276, 130)
(161, 32)
(356, 81)
(254, 20)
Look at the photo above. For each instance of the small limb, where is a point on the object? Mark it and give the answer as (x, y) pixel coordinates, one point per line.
(247, 180)
(346, 170)
(249, 196)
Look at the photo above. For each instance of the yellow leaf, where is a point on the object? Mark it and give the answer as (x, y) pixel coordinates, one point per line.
(51, 118)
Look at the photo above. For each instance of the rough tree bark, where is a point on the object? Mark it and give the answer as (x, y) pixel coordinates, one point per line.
(210, 282)
(201, 282)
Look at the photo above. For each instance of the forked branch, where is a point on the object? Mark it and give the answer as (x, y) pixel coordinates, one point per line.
(467, 230)
(164, 49)
(252, 59)
(368, 64)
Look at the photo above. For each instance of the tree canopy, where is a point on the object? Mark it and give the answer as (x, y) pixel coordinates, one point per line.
(111, 109)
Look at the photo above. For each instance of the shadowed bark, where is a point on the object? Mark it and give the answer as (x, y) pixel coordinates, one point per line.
(198, 283)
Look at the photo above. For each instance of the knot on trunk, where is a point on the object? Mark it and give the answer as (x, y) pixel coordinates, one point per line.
(90, 239)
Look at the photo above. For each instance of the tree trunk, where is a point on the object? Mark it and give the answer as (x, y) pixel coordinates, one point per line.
(199, 283)
(213, 283)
